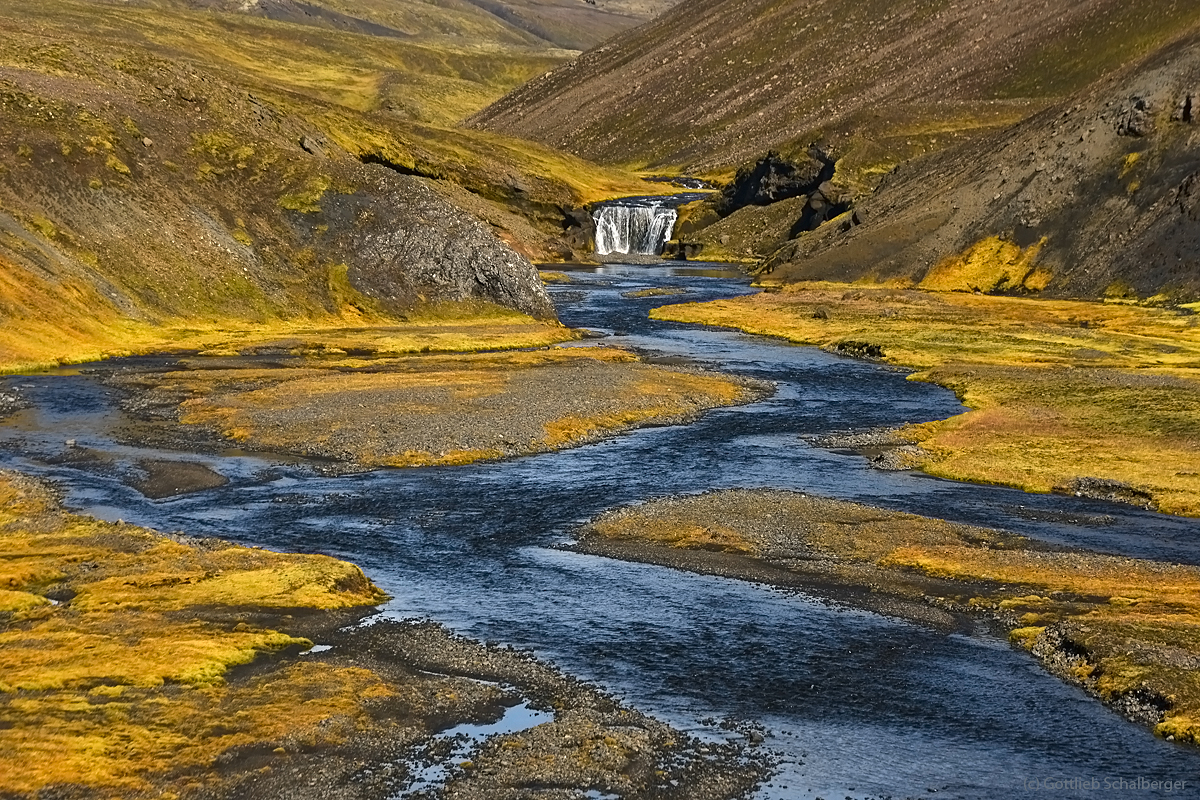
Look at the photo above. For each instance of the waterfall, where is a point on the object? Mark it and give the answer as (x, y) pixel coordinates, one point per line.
(642, 229)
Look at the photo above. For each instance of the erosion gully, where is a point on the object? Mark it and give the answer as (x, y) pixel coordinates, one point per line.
(854, 704)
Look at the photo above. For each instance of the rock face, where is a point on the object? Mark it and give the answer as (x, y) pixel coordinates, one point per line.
(426, 249)
(775, 178)
(1105, 184)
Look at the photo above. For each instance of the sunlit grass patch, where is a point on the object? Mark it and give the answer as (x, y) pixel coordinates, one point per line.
(123, 677)
(1059, 390)
(120, 738)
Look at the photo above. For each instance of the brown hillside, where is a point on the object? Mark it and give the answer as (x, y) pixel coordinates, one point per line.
(571, 24)
(716, 83)
(1098, 195)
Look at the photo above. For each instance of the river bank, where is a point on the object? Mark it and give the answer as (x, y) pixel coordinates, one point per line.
(423, 410)
(144, 664)
(1081, 398)
(1123, 629)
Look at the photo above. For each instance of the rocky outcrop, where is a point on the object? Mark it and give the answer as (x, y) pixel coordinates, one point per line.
(425, 249)
(774, 178)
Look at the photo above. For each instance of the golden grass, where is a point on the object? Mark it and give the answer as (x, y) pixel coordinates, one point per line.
(94, 335)
(126, 679)
(991, 265)
(1059, 389)
(1137, 621)
(119, 738)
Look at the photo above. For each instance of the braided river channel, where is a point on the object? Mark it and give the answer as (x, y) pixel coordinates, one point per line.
(852, 704)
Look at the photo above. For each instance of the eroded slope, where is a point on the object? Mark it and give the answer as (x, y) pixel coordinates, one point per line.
(716, 83)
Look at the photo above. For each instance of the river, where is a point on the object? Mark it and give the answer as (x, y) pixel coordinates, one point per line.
(854, 704)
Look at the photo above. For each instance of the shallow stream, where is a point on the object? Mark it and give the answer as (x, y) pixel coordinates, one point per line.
(854, 704)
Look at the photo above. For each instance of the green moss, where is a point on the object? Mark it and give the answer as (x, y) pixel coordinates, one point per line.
(117, 165)
(308, 199)
(44, 226)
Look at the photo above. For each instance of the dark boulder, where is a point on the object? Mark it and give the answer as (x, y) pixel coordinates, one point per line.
(775, 178)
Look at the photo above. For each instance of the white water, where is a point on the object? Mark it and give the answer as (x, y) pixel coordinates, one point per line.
(641, 229)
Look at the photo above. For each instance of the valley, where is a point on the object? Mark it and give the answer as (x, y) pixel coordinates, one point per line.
(598, 398)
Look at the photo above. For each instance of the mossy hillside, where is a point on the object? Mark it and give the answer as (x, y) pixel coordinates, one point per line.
(143, 186)
(1059, 390)
(1123, 628)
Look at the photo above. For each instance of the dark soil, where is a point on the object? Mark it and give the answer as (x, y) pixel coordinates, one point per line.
(593, 742)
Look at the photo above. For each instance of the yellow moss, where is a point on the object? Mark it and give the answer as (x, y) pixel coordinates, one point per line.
(19, 601)
(119, 745)
(1026, 636)
(1038, 279)
(419, 458)
(1181, 728)
(116, 165)
(990, 265)
(308, 199)
(143, 649)
(350, 302)
(1129, 163)
(551, 276)
(285, 581)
